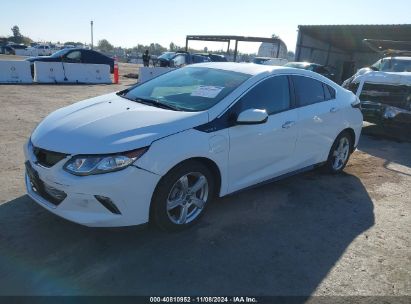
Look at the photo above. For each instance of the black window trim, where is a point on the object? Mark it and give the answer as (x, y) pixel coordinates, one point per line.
(297, 105)
(226, 119)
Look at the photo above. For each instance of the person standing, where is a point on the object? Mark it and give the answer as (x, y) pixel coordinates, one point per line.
(146, 58)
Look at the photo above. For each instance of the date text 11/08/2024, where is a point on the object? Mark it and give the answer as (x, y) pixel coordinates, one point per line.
(203, 300)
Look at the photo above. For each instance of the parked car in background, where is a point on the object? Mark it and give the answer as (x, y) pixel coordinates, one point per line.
(384, 89)
(7, 50)
(213, 57)
(164, 59)
(43, 50)
(75, 55)
(269, 61)
(275, 61)
(161, 150)
(184, 58)
(10, 49)
(315, 67)
(179, 59)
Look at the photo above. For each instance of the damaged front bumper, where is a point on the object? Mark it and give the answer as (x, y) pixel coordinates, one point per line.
(377, 112)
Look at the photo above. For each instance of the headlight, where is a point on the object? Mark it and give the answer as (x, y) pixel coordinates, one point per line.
(97, 164)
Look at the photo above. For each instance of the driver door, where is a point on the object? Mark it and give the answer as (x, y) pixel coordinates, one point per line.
(262, 151)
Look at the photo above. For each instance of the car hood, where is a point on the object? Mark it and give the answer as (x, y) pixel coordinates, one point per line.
(391, 78)
(110, 124)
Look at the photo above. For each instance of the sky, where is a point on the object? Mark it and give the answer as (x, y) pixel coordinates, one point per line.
(127, 23)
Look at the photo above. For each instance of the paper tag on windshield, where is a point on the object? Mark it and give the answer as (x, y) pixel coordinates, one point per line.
(207, 91)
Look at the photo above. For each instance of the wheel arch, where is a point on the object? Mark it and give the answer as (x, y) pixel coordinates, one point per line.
(351, 132)
(210, 164)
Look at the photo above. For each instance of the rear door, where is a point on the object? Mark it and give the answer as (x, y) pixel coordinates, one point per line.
(319, 118)
(262, 151)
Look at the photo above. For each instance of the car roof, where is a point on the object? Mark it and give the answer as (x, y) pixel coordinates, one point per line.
(249, 68)
(257, 69)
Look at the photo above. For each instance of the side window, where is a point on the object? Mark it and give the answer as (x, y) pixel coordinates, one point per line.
(272, 95)
(307, 90)
(75, 56)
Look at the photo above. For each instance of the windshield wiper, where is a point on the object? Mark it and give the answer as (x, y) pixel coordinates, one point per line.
(156, 103)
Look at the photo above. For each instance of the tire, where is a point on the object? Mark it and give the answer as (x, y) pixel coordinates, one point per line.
(175, 206)
(343, 147)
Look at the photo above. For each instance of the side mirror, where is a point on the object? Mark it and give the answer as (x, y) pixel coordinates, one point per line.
(252, 117)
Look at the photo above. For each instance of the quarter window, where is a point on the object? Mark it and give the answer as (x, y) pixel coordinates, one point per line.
(272, 95)
(330, 90)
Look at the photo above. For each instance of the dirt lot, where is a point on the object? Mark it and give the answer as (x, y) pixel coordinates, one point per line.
(311, 234)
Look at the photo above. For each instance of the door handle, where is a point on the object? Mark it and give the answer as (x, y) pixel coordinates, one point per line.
(288, 124)
(333, 110)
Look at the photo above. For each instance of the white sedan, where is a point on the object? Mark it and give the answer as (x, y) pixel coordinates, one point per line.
(161, 150)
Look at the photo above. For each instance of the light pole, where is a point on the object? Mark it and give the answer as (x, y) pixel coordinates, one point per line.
(91, 24)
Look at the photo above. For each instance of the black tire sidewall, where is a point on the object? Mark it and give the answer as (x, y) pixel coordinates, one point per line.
(158, 214)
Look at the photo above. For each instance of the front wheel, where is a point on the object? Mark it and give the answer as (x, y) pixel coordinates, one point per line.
(339, 153)
(181, 196)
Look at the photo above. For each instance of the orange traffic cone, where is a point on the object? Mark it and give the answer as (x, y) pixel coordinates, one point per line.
(115, 70)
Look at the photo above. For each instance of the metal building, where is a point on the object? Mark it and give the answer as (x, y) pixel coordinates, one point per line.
(341, 47)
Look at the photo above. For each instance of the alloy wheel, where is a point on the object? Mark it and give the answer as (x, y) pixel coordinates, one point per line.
(187, 198)
(341, 153)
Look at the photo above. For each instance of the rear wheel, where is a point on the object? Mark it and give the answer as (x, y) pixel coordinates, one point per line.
(339, 153)
(181, 196)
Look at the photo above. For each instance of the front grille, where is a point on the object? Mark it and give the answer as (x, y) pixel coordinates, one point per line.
(50, 194)
(392, 95)
(47, 158)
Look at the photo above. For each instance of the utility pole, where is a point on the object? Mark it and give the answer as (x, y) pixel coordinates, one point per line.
(91, 24)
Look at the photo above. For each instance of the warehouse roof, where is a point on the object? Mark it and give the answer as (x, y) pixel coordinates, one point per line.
(350, 37)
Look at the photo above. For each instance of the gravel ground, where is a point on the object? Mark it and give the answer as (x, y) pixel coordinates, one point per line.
(311, 234)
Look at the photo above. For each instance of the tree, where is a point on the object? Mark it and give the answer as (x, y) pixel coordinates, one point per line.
(105, 46)
(274, 36)
(18, 37)
(16, 32)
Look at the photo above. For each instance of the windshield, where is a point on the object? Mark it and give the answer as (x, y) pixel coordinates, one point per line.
(395, 65)
(167, 55)
(59, 53)
(189, 88)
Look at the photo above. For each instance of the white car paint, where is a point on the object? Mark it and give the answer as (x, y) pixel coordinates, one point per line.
(244, 154)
